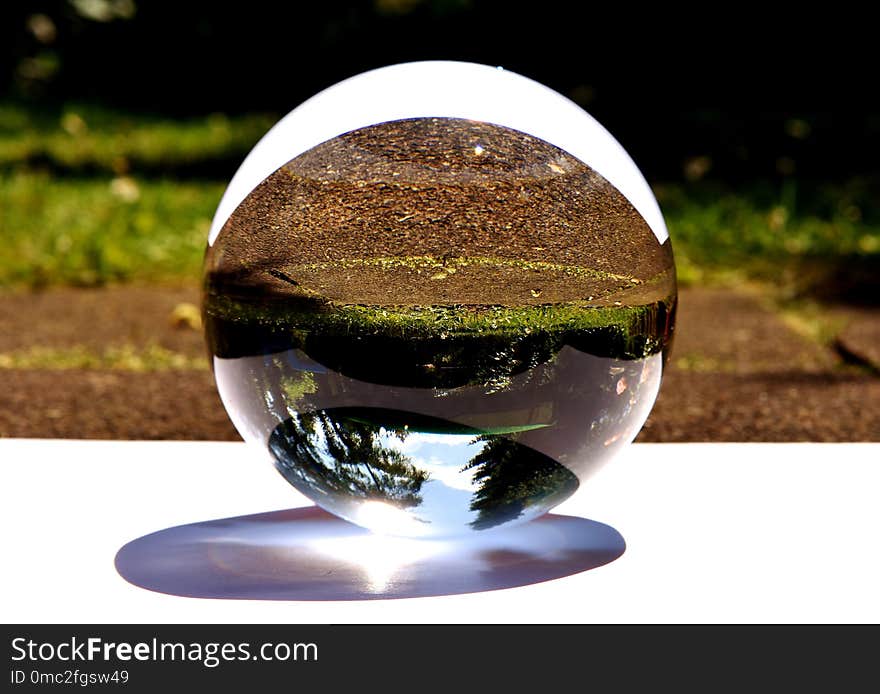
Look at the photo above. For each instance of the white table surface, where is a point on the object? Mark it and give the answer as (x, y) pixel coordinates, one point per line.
(714, 533)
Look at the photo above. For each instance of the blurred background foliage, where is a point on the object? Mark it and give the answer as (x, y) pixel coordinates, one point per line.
(121, 121)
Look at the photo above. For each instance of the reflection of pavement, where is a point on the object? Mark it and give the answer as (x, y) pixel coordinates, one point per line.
(307, 554)
(737, 373)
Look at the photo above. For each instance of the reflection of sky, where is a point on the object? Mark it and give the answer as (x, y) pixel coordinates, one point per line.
(442, 455)
(447, 495)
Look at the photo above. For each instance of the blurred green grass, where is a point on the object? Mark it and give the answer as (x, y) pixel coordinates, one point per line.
(90, 196)
(81, 138)
(794, 234)
(93, 232)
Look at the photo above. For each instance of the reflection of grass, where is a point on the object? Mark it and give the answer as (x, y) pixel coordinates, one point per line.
(429, 321)
(440, 346)
(124, 358)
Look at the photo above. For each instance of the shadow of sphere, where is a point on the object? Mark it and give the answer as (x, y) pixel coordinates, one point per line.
(308, 554)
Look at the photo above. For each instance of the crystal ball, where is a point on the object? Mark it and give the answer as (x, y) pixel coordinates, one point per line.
(438, 296)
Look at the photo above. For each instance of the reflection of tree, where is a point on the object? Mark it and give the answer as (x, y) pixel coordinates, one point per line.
(342, 457)
(511, 478)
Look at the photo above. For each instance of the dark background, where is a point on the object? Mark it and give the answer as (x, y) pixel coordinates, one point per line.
(728, 82)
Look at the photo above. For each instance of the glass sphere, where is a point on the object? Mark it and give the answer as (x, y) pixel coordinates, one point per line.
(438, 296)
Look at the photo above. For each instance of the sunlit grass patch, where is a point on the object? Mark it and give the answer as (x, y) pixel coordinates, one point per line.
(121, 358)
(91, 232)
